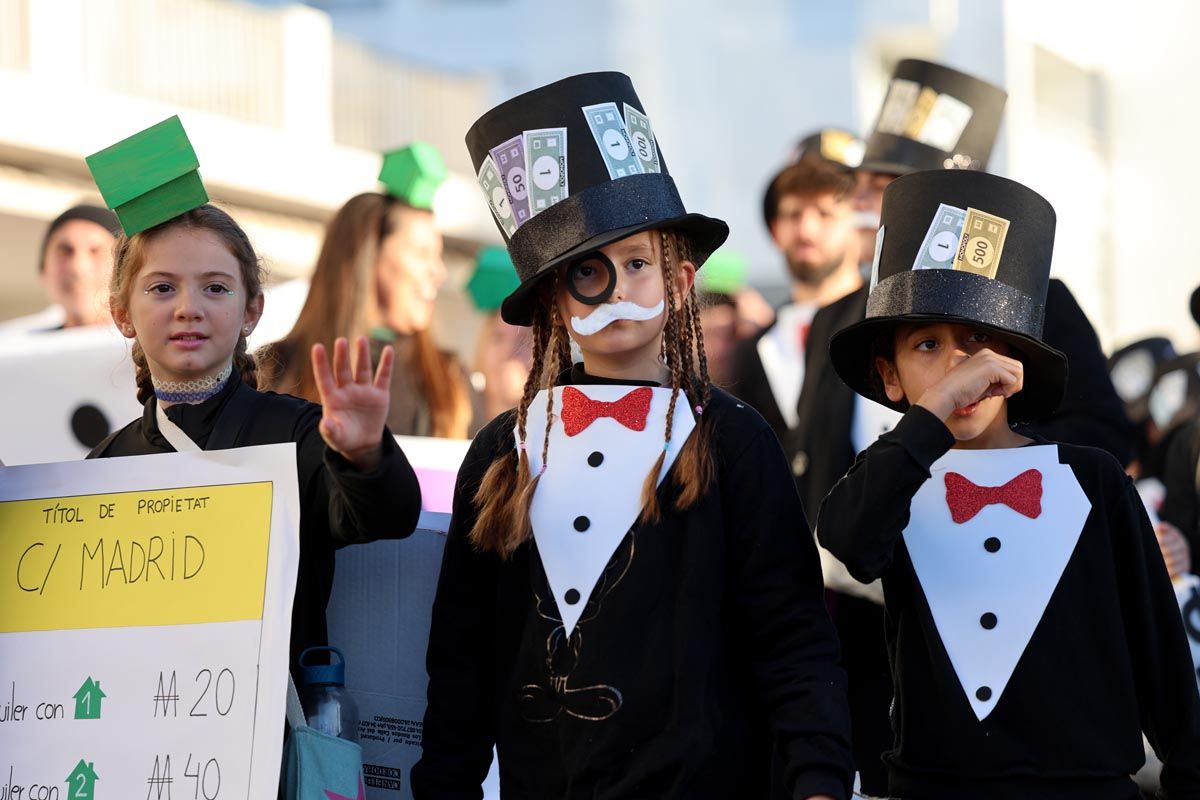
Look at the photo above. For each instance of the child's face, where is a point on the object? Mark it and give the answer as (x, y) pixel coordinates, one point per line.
(188, 305)
(639, 281)
(925, 354)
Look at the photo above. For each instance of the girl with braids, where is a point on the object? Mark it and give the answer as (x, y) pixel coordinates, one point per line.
(626, 606)
(188, 291)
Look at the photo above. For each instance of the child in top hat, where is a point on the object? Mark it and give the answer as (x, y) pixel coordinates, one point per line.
(187, 288)
(620, 612)
(1032, 629)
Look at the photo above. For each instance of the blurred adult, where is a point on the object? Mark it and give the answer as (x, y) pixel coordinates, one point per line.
(74, 266)
(378, 274)
(807, 209)
(503, 352)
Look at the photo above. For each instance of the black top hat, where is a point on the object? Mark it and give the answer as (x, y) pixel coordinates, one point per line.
(837, 146)
(571, 167)
(934, 117)
(1133, 370)
(964, 247)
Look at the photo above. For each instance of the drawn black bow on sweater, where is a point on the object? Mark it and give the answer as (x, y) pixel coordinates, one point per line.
(541, 703)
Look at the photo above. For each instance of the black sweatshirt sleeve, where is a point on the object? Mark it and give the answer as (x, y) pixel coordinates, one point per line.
(456, 747)
(382, 503)
(1159, 651)
(778, 596)
(866, 511)
(1181, 506)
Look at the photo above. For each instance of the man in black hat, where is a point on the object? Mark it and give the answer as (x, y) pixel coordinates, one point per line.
(1032, 628)
(807, 210)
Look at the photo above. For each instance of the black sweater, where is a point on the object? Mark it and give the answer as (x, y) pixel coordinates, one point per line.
(338, 504)
(1107, 660)
(708, 628)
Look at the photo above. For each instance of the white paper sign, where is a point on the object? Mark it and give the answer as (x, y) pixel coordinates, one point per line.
(988, 579)
(145, 610)
(66, 390)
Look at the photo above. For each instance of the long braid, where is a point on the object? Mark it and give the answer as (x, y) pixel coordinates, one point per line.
(525, 499)
(500, 525)
(694, 466)
(670, 349)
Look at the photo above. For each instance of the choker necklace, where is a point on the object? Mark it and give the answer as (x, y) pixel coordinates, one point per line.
(196, 391)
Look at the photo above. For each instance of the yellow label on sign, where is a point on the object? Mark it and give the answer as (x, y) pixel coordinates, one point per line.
(981, 243)
(169, 557)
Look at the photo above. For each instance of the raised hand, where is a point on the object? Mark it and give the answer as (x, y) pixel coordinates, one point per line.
(1175, 549)
(354, 406)
(985, 374)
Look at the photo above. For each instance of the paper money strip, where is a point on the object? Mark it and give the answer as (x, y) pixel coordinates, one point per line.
(967, 240)
(528, 173)
(921, 113)
(546, 154)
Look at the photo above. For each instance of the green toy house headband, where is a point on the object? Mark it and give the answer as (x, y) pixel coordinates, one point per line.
(494, 278)
(150, 177)
(413, 174)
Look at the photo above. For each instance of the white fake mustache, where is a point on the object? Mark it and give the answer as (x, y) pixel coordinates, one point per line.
(608, 313)
(866, 220)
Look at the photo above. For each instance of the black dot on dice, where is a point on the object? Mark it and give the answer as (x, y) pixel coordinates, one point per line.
(983, 693)
(988, 620)
(992, 545)
(582, 524)
(596, 459)
(89, 425)
(572, 597)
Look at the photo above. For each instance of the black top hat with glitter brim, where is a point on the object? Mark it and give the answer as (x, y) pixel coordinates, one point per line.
(961, 247)
(934, 117)
(572, 167)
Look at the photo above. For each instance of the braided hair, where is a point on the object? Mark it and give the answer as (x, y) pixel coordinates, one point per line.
(505, 494)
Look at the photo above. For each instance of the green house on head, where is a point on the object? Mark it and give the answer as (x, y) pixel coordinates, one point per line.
(150, 177)
(87, 700)
(81, 782)
(413, 174)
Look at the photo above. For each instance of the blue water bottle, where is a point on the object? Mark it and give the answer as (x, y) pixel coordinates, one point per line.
(328, 707)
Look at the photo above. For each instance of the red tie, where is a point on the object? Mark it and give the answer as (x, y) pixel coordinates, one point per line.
(579, 410)
(1022, 494)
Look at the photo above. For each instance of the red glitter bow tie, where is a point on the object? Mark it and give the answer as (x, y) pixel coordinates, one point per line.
(579, 410)
(1022, 494)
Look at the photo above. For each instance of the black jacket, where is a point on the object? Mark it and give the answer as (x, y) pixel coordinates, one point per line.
(750, 385)
(338, 504)
(708, 627)
(1181, 478)
(1107, 660)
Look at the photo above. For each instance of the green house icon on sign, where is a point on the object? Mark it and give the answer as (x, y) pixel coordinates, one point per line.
(87, 700)
(82, 782)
